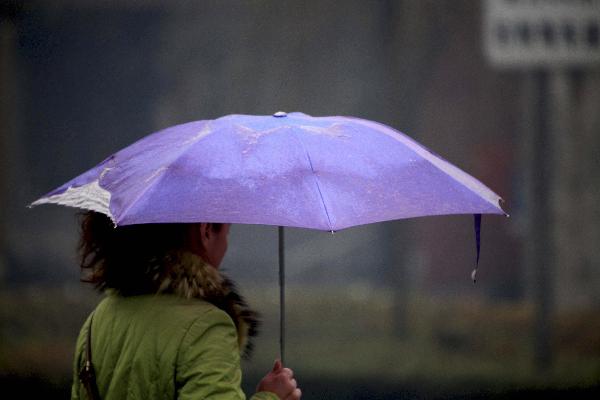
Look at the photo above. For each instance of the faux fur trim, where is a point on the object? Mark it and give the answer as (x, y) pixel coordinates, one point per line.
(189, 276)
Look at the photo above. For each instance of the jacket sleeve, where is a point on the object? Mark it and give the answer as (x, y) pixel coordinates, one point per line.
(208, 362)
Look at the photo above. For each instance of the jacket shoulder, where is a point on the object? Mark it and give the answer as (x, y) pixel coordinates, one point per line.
(136, 337)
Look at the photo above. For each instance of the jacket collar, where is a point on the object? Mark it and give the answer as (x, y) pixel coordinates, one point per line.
(190, 277)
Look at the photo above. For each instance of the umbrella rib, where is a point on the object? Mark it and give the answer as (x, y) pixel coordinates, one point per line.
(316, 182)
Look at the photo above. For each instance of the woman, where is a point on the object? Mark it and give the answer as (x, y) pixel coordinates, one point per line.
(171, 326)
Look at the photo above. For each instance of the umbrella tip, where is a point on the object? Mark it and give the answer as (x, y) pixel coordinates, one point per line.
(280, 114)
(501, 202)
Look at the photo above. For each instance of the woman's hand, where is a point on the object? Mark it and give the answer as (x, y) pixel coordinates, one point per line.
(281, 382)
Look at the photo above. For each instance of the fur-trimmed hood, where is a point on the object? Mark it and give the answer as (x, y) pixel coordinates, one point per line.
(189, 276)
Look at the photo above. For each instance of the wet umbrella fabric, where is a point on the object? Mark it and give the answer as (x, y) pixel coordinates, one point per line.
(326, 173)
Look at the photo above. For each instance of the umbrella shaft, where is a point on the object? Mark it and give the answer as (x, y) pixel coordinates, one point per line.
(281, 296)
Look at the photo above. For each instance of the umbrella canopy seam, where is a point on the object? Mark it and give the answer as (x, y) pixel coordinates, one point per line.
(314, 174)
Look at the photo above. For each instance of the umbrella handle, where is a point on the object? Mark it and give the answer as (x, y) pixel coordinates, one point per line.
(281, 296)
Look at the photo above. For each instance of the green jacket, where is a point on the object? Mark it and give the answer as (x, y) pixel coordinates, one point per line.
(162, 347)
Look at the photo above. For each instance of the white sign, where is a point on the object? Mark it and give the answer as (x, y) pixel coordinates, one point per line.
(542, 33)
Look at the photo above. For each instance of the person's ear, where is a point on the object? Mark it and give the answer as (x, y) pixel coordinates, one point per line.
(205, 233)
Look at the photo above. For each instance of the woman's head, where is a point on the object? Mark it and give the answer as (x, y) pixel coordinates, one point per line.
(209, 241)
(132, 258)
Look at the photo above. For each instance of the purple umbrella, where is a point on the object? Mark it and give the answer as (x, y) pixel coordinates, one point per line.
(326, 173)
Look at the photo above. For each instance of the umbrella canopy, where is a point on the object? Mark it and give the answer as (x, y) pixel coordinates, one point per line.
(326, 173)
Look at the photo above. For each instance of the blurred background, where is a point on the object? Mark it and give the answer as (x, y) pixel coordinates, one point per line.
(508, 90)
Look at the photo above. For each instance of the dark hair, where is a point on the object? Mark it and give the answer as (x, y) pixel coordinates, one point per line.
(129, 259)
